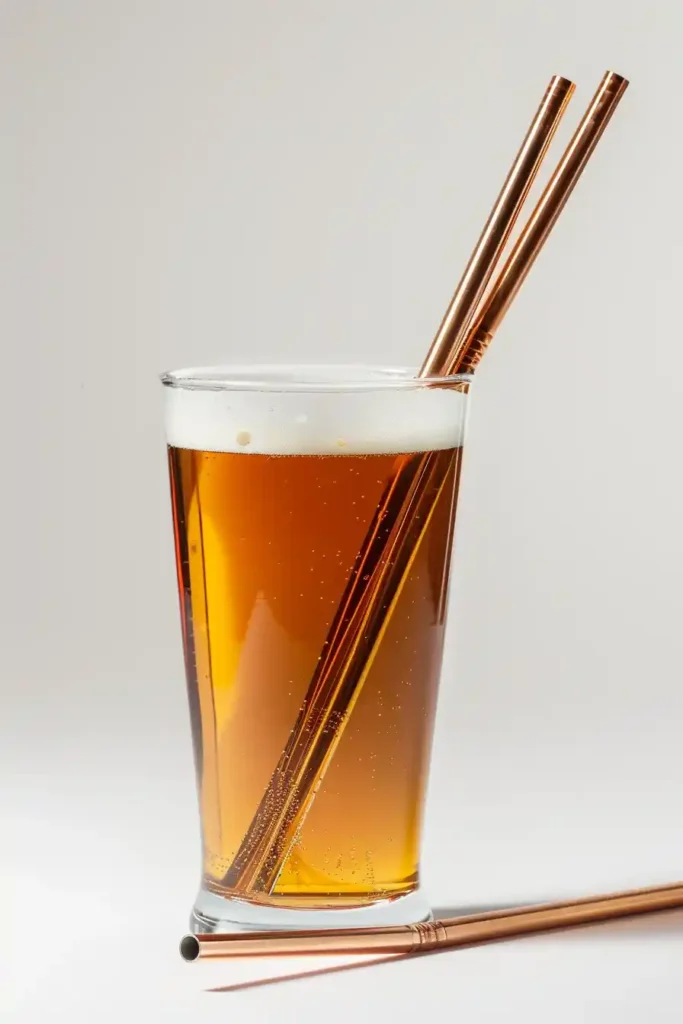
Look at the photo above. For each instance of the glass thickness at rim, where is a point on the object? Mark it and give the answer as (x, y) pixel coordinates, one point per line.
(306, 377)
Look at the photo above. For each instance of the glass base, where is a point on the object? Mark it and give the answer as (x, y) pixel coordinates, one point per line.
(212, 913)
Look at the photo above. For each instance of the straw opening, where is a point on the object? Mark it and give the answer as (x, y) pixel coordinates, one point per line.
(189, 948)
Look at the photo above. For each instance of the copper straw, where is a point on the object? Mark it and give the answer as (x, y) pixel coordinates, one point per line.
(365, 609)
(384, 563)
(366, 603)
(482, 262)
(466, 357)
(429, 935)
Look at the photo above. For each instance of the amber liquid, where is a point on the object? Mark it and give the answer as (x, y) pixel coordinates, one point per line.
(265, 547)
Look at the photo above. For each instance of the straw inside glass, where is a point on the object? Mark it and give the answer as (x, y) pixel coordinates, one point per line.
(403, 516)
(327, 704)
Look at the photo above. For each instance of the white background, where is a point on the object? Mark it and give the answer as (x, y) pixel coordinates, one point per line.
(195, 182)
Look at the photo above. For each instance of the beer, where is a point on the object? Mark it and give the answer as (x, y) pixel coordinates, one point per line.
(266, 541)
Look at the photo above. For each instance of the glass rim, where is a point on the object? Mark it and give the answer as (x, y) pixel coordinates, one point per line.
(295, 377)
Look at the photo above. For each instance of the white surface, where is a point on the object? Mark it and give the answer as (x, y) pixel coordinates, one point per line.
(243, 180)
(104, 884)
(623, 972)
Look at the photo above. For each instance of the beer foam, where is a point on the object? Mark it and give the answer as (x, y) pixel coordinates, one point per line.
(374, 413)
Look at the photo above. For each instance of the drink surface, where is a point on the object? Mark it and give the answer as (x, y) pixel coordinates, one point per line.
(273, 495)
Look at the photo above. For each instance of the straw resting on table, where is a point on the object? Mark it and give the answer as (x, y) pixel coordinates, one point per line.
(443, 934)
(405, 509)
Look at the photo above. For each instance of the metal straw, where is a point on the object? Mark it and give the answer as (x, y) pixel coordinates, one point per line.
(326, 707)
(366, 607)
(465, 358)
(428, 935)
(500, 223)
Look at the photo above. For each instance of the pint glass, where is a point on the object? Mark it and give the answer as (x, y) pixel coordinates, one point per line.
(277, 474)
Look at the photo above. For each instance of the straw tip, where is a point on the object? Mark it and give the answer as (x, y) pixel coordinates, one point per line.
(616, 79)
(558, 83)
(189, 947)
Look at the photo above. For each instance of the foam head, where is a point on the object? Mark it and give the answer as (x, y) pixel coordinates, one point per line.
(311, 411)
